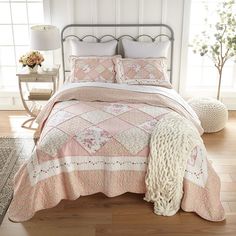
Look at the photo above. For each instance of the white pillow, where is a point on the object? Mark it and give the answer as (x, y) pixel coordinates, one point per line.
(79, 48)
(135, 49)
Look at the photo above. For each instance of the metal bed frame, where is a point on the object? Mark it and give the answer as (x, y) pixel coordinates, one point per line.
(169, 36)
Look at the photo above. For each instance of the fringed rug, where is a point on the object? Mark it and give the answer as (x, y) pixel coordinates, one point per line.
(13, 152)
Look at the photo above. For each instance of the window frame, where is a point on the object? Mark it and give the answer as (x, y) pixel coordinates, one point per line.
(10, 99)
(5, 91)
(198, 91)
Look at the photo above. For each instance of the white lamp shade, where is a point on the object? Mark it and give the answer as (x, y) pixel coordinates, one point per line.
(45, 37)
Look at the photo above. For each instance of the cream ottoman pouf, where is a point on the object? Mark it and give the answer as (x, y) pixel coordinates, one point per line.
(212, 113)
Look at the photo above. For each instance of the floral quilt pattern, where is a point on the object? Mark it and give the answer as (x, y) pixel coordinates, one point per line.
(93, 138)
(102, 128)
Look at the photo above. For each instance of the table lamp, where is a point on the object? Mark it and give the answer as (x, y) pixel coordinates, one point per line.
(45, 38)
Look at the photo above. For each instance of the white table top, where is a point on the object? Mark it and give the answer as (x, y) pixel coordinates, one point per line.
(23, 71)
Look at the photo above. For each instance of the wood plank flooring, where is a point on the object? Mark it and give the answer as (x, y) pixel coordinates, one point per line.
(10, 124)
(129, 214)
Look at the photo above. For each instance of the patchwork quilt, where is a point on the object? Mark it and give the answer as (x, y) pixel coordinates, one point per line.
(94, 137)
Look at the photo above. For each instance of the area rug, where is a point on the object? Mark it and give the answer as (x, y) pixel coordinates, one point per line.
(13, 152)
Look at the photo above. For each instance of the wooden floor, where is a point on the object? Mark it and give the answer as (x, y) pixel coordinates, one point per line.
(129, 214)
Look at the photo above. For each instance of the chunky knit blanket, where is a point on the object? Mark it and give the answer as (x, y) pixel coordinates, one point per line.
(172, 141)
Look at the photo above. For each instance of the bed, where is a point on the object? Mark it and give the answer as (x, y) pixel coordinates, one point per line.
(118, 137)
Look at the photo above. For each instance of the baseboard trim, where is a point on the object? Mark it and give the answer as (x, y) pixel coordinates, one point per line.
(14, 104)
(9, 107)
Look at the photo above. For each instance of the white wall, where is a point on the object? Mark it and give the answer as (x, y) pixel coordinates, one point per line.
(63, 12)
(122, 11)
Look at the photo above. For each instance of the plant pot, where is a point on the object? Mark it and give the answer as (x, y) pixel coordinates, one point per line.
(34, 69)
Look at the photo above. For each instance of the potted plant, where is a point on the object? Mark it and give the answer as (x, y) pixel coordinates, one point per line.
(218, 40)
(32, 59)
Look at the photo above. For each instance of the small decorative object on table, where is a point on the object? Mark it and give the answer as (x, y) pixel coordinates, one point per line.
(34, 97)
(32, 60)
(212, 113)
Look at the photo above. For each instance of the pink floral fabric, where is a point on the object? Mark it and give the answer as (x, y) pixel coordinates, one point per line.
(142, 71)
(90, 144)
(116, 108)
(93, 139)
(149, 125)
(93, 69)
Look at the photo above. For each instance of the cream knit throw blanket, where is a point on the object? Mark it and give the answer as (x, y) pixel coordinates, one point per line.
(172, 141)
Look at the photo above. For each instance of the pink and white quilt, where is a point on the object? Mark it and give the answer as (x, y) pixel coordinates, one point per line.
(95, 138)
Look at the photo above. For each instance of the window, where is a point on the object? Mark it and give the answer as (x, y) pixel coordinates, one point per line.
(16, 18)
(200, 74)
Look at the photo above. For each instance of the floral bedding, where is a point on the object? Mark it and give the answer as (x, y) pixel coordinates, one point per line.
(94, 137)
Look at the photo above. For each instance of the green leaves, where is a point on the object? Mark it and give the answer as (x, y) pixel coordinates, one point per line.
(218, 40)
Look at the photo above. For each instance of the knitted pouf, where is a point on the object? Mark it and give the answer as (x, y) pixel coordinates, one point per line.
(212, 113)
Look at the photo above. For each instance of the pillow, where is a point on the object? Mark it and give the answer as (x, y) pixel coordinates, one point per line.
(93, 49)
(142, 71)
(134, 49)
(93, 69)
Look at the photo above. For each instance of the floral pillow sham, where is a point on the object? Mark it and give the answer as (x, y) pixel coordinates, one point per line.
(93, 69)
(142, 71)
